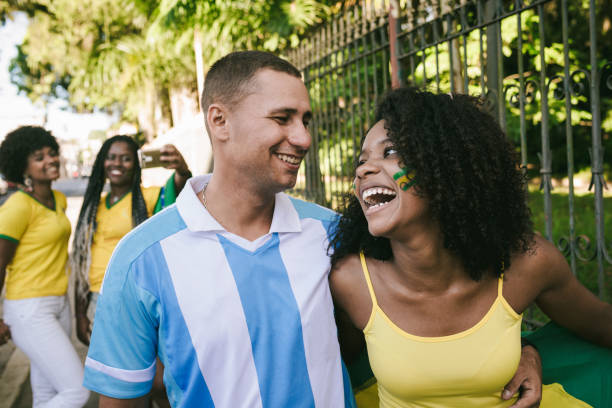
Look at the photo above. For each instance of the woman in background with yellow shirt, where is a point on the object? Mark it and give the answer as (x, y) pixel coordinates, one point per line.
(105, 219)
(34, 232)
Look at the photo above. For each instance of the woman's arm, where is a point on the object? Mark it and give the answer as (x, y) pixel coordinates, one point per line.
(351, 339)
(352, 305)
(7, 251)
(566, 301)
(173, 159)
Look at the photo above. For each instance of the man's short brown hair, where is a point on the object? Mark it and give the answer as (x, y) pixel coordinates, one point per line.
(228, 79)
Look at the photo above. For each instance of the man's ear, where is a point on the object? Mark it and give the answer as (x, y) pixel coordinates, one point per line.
(216, 118)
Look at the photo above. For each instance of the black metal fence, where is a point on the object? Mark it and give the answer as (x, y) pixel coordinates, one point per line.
(542, 65)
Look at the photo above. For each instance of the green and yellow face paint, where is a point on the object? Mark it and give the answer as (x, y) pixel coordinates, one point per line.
(405, 178)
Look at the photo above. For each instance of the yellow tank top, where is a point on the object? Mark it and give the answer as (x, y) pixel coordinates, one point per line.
(466, 369)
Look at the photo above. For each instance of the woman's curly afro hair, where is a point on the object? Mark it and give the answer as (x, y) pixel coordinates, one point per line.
(465, 168)
(18, 145)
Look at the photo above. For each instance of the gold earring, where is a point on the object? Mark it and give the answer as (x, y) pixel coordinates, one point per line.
(27, 180)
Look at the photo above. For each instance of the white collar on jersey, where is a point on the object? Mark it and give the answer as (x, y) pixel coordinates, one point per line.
(197, 218)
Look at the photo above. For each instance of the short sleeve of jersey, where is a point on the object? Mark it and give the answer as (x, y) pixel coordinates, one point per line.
(121, 358)
(15, 216)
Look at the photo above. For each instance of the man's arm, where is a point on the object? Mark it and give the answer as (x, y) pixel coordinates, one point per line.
(108, 402)
(527, 380)
(121, 359)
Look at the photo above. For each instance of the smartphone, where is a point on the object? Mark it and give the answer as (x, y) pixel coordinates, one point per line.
(150, 158)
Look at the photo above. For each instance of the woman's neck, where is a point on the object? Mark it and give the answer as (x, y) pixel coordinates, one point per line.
(424, 263)
(43, 193)
(116, 192)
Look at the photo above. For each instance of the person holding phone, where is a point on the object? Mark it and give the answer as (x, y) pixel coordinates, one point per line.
(105, 219)
(34, 232)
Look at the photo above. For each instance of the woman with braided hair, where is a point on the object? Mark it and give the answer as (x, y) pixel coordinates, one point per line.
(105, 219)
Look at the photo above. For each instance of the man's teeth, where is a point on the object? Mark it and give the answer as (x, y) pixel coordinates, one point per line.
(288, 159)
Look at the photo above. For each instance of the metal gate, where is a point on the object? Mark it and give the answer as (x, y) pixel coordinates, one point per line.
(536, 62)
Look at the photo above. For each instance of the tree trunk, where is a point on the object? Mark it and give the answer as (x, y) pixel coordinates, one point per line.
(183, 104)
(154, 116)
(146, 114)
(197, 50)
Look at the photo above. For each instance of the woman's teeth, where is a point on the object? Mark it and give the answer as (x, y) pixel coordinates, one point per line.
(377, 196)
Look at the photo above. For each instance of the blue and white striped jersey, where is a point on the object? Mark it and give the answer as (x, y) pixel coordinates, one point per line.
(236, 323)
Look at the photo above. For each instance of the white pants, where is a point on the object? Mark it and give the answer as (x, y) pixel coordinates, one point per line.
(40, 327)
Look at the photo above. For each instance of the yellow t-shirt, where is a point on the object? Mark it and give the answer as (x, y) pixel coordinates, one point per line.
(38, 267)
(113, 222)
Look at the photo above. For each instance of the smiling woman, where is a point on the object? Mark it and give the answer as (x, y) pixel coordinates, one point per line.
(435, 259)
(105, 219)
(34, 233)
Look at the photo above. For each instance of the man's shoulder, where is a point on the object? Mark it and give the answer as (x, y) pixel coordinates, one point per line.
(306, 209)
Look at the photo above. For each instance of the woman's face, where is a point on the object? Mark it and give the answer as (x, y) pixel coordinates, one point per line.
(383, 188)
(43, 165)
(119, 164)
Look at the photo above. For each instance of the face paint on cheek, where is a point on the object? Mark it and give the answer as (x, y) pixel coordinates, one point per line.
(404, 178)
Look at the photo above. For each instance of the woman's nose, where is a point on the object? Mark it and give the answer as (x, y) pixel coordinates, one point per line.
(366, 169)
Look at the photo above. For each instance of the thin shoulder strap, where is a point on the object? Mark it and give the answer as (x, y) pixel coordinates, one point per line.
(366, 273)
(500, 286)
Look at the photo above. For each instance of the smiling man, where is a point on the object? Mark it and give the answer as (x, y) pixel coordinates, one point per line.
(229, 286)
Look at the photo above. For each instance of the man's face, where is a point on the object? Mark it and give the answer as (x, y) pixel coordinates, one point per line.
(268, 131)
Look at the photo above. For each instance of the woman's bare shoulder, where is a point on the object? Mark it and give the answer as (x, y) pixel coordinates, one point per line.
(541, 267)
(540, 261)
(345, 270)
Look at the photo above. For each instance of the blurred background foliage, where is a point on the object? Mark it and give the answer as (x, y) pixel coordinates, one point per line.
(136, 58)
(140, 59)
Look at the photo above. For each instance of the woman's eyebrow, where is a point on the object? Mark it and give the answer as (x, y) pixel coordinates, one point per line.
(384, 141)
